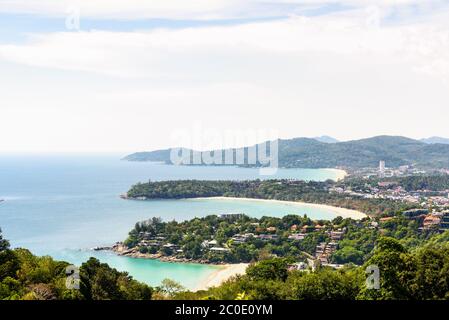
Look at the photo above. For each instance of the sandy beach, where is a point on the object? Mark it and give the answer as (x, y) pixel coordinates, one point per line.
(222, 274)
(343, 212)
(341, 174)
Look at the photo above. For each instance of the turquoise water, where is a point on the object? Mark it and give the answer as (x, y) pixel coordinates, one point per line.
(63, 205)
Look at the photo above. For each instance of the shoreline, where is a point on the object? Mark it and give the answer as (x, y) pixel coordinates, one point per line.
(341, 174)
(343, 212)
(224, 270)
(223, 274)
(121, 250)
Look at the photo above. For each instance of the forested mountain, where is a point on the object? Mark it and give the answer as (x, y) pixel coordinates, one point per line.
(310, 153)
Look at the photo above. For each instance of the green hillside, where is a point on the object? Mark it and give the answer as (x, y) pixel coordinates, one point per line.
(310, 153)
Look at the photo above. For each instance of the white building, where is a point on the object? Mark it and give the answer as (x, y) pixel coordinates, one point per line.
(382, 168)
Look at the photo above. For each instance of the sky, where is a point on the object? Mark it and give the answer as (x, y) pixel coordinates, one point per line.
(124, 76)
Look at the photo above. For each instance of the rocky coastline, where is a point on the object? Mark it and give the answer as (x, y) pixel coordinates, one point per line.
(120, 249)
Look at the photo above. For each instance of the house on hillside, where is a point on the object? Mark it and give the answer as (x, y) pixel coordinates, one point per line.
(297, 236)
(431, 221)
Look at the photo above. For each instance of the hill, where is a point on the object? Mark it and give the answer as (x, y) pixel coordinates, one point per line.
(310, 153)
(433, 140)
(156, 156)
(326, 139)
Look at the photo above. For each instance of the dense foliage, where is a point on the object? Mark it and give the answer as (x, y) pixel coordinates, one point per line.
(434, 182)
(418, 274)
(27, 277)
(421, 274)
(192, 237)
(250, 239)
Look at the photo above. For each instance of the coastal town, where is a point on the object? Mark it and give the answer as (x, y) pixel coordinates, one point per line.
(156, 246)
(224, 159)
(413, 201)
(389, 184)
(389, 187)
(310, 243)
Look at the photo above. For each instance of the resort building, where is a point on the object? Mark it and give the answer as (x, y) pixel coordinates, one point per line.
(336, 235)
(415, 213)
(445, 221)
(431, 221)
(267, 237)
(231, 216)
(219, 249)
(324, 251)
(242, 238)
(208, 244)
(297, 236)
(381, 169)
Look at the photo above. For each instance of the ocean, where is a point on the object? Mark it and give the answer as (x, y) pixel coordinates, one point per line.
(64, 205)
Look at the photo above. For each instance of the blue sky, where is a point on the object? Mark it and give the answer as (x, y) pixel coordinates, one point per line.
(137, 72)
(15, 26)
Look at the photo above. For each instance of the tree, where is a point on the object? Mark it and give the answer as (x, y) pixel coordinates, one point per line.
(4, 244)
(432, 273)
(397, 269)
(348, 254)
(323, 285)
(272, 269)
(10, 288)
(101, 282)
(9, 263)
(170, 287)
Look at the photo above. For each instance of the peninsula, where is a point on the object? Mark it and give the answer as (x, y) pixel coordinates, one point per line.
(349, 155)
(291, 191)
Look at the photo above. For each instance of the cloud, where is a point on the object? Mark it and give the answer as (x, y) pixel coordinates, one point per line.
(114, 8)
(343, 73)
(187, 53)
(181, 9)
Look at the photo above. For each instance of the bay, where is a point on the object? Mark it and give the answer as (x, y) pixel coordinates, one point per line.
(64, 205)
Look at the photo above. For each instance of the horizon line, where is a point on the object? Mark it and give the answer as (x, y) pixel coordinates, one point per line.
(126, 152)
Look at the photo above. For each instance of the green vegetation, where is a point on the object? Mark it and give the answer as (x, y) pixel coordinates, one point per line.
(101, 282)
(239, 238)
(413, 260)
(421, 274)
(287, 190)
(216, 240)
(310, 153)
(432, 183)
(27, 277)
